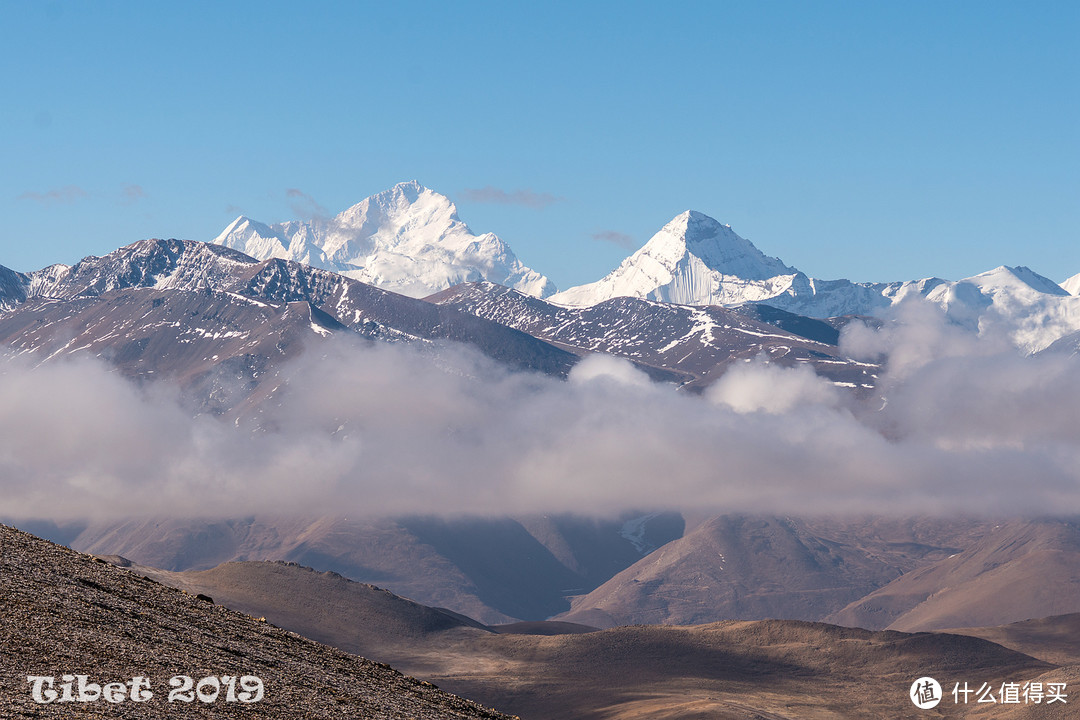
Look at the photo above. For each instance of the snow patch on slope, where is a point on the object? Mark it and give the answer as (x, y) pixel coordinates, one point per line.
(634, 530)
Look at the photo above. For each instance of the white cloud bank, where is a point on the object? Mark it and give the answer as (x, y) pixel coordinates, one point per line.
(966, 428)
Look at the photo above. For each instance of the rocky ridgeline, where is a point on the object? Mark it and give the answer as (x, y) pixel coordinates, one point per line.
(66, 613)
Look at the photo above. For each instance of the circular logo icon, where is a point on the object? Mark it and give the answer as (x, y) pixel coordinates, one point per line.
(925, 693)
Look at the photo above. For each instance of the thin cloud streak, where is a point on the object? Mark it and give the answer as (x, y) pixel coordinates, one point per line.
(304, 206)
(57, 196)
(132, 194)
(497, 196)
(616, 238)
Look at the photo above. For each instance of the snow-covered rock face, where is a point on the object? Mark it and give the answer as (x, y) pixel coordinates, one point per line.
(695, 260)
(1030, 309)
(408, 239)
(1072, 285)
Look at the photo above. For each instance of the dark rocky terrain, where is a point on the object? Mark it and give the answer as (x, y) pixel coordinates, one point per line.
(201, 313)
(220, 323)
(693, 344)
(63, 612)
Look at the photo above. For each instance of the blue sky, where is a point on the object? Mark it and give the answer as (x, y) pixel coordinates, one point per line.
(874, 141)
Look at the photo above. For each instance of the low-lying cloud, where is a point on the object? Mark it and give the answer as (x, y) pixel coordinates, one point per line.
(959, 428)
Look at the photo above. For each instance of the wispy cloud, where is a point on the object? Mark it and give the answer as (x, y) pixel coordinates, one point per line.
(65, 195)
(304, 206)
(524, 198)
(616, 238)
(133, 194)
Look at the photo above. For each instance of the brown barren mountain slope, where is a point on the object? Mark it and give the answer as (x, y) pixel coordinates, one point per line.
(758, 669)
(62, 612)
(766, 669)
(755, 567)
(324, 606)
(496, 570)
(1054, 639)
(1021, 570)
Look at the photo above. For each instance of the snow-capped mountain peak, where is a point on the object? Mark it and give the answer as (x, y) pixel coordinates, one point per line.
(724, 251)
(1016, 279)
(695, 260)
(406, 214)
(408, 239)
(1072, 285)
(692, 260)
(254, 238)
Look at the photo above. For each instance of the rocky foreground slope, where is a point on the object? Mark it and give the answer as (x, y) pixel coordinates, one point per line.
(62, 612)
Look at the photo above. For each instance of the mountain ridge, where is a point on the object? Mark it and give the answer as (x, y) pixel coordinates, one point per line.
(408, 239)
(695, 260)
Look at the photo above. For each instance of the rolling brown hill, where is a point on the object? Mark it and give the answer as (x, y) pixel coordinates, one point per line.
(756, 567)
(63, 613)
(499, 570)
(324, 606)
(757, 669)
(738, 670)
(1055, 639)
(1020, 570)
(496, 570)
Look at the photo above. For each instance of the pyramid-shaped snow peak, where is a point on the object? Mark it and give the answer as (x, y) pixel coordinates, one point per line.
(722, 250)
(693, 260)
(408, 239)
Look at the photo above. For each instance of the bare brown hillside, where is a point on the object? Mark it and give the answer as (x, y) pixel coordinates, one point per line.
(62, 612)
(1021, 570)
(756, 567)
(763, 669)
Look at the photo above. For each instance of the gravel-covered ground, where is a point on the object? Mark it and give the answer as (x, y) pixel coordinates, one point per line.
(65, 613)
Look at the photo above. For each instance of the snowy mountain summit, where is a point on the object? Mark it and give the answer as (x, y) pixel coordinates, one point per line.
(408, 239)
(1072, 285)
(693, 260)
(696, 260)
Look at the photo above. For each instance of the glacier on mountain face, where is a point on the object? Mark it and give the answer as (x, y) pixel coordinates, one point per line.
(408, 239)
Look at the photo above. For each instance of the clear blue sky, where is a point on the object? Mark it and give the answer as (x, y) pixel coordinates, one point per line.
(868, 140)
